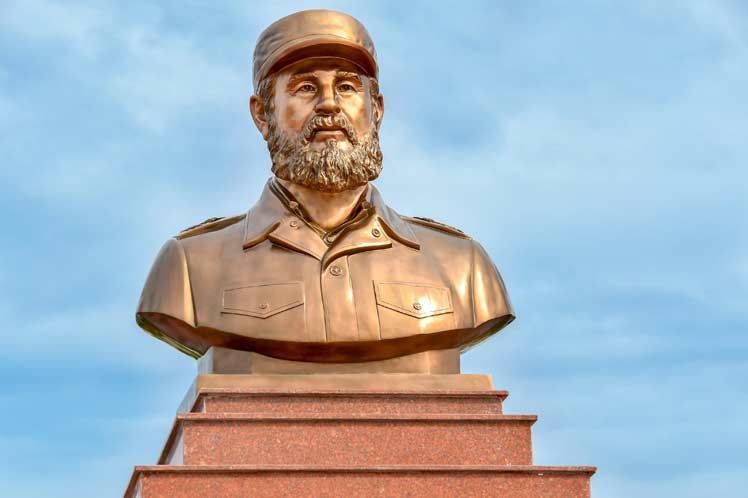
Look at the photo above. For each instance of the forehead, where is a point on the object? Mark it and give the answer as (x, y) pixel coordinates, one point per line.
(319, 65)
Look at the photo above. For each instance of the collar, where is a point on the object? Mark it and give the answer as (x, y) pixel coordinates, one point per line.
(372, 227)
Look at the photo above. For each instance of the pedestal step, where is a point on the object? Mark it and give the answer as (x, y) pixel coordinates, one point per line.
(319, 402)
(342, 439)
(349, 436)
(350, 481)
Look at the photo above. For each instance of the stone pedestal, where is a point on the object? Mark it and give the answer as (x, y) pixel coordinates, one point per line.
(350, 435)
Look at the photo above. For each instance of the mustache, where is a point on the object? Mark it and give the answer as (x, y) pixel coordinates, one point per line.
(323, 122)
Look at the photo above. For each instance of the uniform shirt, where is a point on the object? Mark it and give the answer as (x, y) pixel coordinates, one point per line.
(380, 286)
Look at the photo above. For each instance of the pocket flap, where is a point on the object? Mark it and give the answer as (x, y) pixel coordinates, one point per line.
(417, 300)
(262, 300)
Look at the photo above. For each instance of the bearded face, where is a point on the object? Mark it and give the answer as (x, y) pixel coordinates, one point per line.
(330, 168)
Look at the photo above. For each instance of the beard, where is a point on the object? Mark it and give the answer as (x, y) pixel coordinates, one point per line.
(329, 169)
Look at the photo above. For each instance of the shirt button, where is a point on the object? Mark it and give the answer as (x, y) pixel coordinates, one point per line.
(336, 271)
(294, 224)
(376, 233)
(263, 306)
(417, 306)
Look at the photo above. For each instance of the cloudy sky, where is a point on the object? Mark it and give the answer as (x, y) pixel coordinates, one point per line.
(597, 149)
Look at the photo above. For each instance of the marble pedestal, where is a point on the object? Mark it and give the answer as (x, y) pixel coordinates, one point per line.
(350, 435)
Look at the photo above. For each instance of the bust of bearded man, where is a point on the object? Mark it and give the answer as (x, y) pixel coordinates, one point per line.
(320, 275)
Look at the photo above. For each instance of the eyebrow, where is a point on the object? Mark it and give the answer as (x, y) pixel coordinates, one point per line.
(301, 76)
(348, 74)
(311, 76)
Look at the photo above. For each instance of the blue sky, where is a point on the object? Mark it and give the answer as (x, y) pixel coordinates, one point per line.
(597, 149)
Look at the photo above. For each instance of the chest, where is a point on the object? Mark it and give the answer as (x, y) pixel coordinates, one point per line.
(272, 292)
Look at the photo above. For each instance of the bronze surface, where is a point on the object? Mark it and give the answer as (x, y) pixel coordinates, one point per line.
(219, 360)
(313, 33)
(324, 273)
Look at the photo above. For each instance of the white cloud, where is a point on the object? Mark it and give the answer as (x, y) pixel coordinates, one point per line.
(78, 25)
(723, 17)
(102, 335)
(608, 182)
(163, 77)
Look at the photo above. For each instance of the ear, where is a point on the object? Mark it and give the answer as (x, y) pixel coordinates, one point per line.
(258, 116)
(378, 110)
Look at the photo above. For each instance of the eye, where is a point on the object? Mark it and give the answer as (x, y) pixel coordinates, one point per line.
(306, 88)
(346, 87)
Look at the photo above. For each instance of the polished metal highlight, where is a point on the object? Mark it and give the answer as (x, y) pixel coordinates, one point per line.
(323, 276)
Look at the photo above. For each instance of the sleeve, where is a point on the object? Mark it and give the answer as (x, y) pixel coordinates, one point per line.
(490, 298)
(167, 290)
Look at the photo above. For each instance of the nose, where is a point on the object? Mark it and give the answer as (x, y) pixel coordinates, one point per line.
(327, 104)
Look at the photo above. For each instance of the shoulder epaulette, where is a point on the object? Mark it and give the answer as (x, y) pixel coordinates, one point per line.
(209, 225)
(436, 225)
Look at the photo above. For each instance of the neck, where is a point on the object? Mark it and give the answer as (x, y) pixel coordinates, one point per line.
(327, 209)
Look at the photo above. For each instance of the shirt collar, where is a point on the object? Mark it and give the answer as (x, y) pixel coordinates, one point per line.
(282, 221)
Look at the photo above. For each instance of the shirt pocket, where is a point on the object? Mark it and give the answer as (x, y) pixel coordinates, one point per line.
(266, 310)
(406, 308)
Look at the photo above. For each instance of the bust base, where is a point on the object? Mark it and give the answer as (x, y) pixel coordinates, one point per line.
(351, 435)
(336, 382)
(218, 360)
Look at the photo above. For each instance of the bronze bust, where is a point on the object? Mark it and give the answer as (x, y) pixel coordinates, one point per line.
(321, 270)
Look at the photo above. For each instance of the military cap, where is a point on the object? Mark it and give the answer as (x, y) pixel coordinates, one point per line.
(313, 33)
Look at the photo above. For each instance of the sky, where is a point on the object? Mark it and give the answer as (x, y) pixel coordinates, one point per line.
(596, 149)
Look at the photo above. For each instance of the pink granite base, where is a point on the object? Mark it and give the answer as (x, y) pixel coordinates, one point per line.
(318, 402)
(303, 439)
(415, 481)
(291, 439)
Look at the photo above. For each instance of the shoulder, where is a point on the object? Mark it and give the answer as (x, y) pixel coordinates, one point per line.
(209, 226)
(434, 225)
(447, 244)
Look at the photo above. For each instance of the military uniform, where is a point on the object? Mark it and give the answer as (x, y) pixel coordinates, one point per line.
(379, 286)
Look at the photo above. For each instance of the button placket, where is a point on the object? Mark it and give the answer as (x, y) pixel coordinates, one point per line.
(338, 302)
